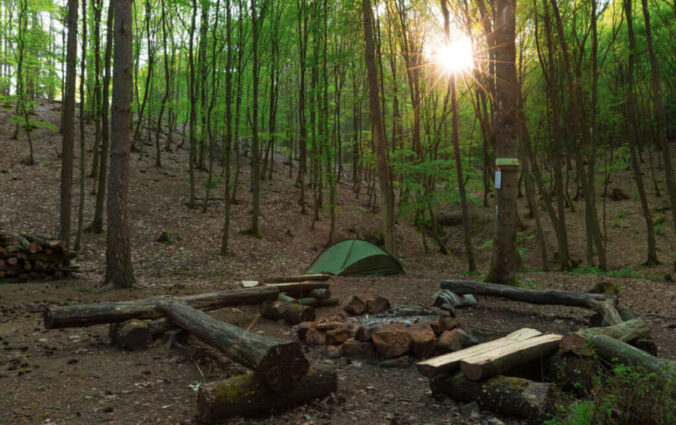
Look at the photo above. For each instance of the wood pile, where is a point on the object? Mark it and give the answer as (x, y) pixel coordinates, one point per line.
(298, 298)
(559, 362)
(281, 375)
(32, 257)
(377, 331)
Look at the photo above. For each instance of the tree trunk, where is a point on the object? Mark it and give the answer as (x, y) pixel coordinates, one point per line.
(579, 342)
(603, 304)
(278, 362)
(246, 396)
(83, 72)
(148, 308)
(501, 394)
(97, 223)
(387, 194)
(505, 260)
(119, 269)
(68, 126)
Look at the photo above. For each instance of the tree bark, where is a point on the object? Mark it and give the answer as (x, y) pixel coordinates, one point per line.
(68, 126)
(245, 395)
(387, 194)
(579, 342)
(119, 270)
(148, 308)
(505, 260)
(278, 362)
(603, 304)
(501, 394)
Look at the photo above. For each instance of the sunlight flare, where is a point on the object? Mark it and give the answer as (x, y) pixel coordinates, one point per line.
(453, 57)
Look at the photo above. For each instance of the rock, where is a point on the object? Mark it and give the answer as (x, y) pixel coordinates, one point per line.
(424, 341)
(443, 323)
(470, 409)
(397, 362)
(337, 336)
(325, 325)
(363, 333)
(453, 340)
(377, 304)
(302, 328)
(354, 305)
(334, 351)
(392, 341)
(494, 421)
(314, 336)
(354, 348)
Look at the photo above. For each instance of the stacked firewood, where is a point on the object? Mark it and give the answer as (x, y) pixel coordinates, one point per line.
(377, 331)
(32, 257)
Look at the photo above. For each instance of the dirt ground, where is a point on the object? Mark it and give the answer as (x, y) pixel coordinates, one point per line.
(74, 376)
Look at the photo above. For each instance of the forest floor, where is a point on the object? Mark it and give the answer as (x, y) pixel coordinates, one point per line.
(73, 376)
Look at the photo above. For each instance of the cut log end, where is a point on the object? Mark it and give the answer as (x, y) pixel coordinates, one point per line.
(283, 366)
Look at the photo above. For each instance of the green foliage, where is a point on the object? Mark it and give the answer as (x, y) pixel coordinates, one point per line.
(486, 245)
(211, 182)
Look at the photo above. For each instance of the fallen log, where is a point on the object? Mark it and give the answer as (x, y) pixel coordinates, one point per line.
(309, 301)
(278, 362)
(611, 350)
(298, 289)
(246, 395)
(290, 312)
(579, 342)
(500, 394)
(603, 304)
(148, 308)
(451, 361)
(508, 356)
(298, 278)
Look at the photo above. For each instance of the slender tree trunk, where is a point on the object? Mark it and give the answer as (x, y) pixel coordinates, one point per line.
(255, 148)
(387, 194)
(97, 5)
(119, 269)
(228, 129)
(68, 126)
(630, 106)
(97, 224)
(193, 95)
(83, 74)
(660, 113)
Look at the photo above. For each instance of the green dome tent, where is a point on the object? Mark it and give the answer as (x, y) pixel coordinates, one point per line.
(354, 257)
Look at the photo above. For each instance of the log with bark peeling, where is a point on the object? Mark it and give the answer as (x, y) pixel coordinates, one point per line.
(603, 304)
(501, 394)
(148, 308)
(309, 301)
(280, 363)
(579, 342)
(245, 395)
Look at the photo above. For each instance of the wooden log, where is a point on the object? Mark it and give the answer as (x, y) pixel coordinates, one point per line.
(320, 293)
(278, 362)
(290, 312)
(148, 308)
(603, 304)
(579, 342)
(131, 335)
(309, 301)
(298, 289)
(298, 278)
(246, 395)
(451, 361)
(512, 354)
(611, 349)
(500, 394)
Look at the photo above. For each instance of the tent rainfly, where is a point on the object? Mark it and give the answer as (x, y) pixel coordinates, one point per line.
(354, 257)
